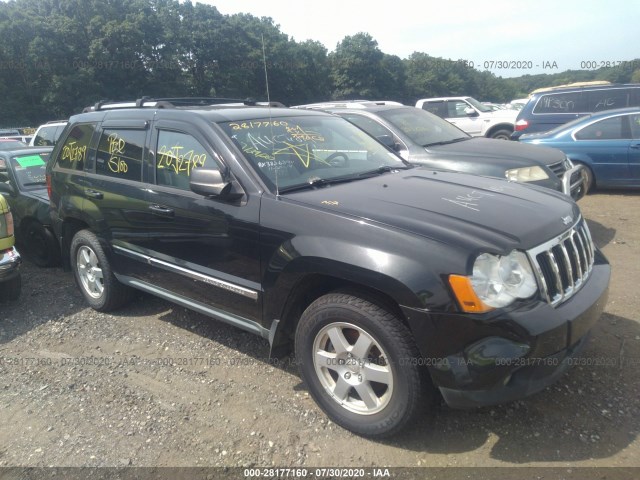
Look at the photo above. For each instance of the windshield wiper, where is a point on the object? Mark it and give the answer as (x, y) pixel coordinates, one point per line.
(446, 142)
(315, 183)
(383, 169)
(323, 182)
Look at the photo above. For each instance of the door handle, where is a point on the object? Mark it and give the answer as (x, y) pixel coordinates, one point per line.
(93, 193)
(635, 145)
(162, 211)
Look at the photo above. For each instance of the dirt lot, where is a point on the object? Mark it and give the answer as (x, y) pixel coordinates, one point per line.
(157, 385)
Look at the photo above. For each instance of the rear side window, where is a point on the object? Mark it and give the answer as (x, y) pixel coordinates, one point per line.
(48, 135)
(437, 108)
(176, 156)
(598, 100)
(607, 129)
(570, 102)
(120, 153)
(372, 127)
(73, 153)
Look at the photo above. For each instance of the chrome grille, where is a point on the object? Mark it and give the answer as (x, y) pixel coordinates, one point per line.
(558, 168)
(563, 264)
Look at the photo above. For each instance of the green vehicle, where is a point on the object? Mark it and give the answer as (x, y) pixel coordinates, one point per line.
(10, 281)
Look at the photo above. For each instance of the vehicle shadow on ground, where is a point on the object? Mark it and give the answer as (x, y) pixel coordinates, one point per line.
(592, 412)
(48, 287)
(600, 234)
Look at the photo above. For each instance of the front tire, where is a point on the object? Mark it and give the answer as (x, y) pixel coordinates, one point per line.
(355, 358)
(93, 274)
(589, 182)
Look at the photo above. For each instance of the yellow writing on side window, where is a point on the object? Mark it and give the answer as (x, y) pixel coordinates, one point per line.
(116, 147)
(74, 152)
(178, 160)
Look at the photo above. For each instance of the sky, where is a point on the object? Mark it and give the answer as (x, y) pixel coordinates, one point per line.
(509, 38)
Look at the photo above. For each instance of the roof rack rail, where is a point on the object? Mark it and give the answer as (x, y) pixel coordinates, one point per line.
(175, 102)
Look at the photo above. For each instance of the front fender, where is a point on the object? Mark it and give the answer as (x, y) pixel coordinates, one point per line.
(400, 277)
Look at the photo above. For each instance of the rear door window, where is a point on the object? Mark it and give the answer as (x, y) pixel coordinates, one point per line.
(598, 100)
(608, 129)
(73, 154)
(370, 126)
(120, 153)
(438, 108)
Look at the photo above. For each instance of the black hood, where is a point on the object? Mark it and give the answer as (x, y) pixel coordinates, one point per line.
(503, 153)
(477, 213)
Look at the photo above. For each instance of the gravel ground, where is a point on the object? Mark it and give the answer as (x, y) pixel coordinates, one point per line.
(158, 385)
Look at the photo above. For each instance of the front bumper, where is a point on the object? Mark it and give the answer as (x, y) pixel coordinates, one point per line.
(10, 261)
(478, 360)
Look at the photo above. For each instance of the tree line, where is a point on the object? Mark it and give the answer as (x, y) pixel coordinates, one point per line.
(58, 56)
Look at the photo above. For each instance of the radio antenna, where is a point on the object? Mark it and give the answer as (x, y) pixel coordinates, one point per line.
(266, 79)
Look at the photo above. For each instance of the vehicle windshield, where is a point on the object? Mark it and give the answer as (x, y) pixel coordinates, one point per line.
(478, 105)
(288, 152)
(422, 127)
(30, 169)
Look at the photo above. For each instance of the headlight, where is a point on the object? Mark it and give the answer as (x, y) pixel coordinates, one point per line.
(526, 174)
(496, 281)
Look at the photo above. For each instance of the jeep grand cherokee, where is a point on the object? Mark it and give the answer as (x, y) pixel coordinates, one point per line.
(387, 280)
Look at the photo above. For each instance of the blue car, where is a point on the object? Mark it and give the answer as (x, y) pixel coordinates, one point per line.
(606, 143)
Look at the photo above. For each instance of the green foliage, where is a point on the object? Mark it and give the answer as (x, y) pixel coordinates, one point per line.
(58, 56)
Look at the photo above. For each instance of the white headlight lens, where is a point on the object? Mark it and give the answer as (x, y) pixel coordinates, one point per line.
(526, 174)
(498, 281)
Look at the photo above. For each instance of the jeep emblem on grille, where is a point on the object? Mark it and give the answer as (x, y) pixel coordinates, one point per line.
(567, 220)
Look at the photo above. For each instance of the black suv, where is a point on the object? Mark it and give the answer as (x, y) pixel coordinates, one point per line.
(296, 225)
(424, 138)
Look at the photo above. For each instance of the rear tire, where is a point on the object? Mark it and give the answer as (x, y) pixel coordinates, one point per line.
(356, 359)
(502, 134)
(93, 274)
(40, 245)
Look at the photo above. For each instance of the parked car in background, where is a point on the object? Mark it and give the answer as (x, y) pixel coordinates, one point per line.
(21, 138)
(11, 144)
(388, 280)
(550, 108)
(9, 132)
(607, 144)
(473, 117)
(10, 281)
(23, 182)
(425, 139)
(47, 135)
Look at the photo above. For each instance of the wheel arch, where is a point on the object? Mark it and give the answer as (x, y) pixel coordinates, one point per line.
(70, 227)
(500, 126)
(312, 286)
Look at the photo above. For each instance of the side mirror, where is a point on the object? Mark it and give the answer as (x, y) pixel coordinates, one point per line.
(389, 142)
(210, 183)
(470, 112)
(6, 187)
